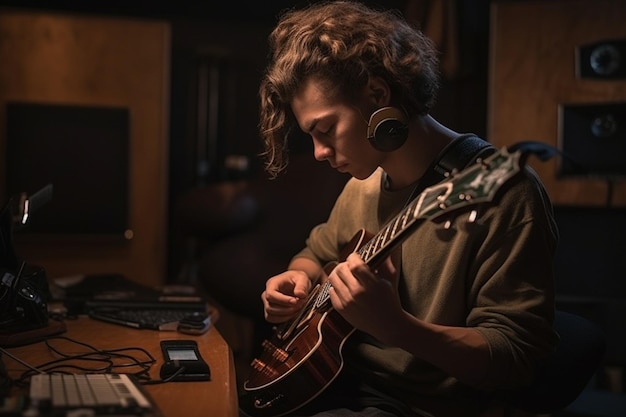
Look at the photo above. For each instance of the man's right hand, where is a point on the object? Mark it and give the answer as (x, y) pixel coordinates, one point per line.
(285, 294)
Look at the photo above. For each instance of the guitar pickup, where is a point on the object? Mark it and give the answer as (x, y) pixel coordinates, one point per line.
(276, 353)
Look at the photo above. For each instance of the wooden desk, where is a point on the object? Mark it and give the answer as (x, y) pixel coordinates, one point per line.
(217, 397)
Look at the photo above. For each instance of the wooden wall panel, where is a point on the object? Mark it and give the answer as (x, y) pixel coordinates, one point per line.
(532, 72)
(98, 61)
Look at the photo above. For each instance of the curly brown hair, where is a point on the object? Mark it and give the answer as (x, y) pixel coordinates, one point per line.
(342, 44)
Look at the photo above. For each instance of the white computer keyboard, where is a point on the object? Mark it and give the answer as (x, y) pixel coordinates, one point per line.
(103, 394)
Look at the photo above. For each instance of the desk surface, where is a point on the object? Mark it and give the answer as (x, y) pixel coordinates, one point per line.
(217, 397)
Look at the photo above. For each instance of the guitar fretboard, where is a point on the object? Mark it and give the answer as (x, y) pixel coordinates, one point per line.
(390, 231)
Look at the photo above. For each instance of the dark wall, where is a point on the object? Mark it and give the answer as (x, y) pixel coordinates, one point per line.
(228, 42)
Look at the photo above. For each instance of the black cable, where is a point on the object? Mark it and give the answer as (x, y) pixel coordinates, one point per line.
(544, 151)
(168, 379)
(107, 359)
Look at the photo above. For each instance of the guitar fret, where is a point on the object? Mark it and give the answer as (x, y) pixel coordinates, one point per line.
(388, 234)
(396, 222)
(372, 247)
(365, 250)
(380, 241)
(406, 217)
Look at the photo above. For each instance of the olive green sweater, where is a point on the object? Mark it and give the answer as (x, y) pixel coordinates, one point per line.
(494, 274)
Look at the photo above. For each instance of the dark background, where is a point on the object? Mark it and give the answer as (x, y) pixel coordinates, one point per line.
(229, 38)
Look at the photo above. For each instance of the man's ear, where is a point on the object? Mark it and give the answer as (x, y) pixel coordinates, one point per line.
(379, 92)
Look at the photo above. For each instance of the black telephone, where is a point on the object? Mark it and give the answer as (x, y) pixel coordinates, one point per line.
(183, 361)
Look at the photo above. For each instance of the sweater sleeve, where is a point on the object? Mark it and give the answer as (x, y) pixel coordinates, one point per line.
(513, 290)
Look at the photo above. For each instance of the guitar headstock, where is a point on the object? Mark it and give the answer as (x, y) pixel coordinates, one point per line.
(476, 184)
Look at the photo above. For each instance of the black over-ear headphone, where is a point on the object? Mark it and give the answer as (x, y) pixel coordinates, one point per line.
(388, 129)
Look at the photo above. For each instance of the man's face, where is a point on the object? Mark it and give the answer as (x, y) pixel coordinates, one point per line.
(338, 130)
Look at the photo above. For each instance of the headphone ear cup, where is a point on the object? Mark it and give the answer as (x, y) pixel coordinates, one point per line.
(387, 129)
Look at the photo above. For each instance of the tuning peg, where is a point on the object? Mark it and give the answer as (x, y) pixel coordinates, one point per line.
(450, 174)
(471, 224)
(483, 163)
(447, 231)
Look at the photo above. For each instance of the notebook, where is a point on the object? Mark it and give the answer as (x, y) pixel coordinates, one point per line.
(98, 394)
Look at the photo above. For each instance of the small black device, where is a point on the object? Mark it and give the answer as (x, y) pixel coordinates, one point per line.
(183, 361)
(196, 324)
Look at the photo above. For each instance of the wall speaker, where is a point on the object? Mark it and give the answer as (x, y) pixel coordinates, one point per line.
(602, 60)
(593, 140)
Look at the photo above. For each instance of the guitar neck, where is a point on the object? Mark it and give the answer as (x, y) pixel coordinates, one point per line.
(379, 246)
(478, 183)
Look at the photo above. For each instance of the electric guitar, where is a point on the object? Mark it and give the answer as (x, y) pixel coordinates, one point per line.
(304, 355)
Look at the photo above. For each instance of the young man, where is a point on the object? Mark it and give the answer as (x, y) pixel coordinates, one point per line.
(459, 310)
